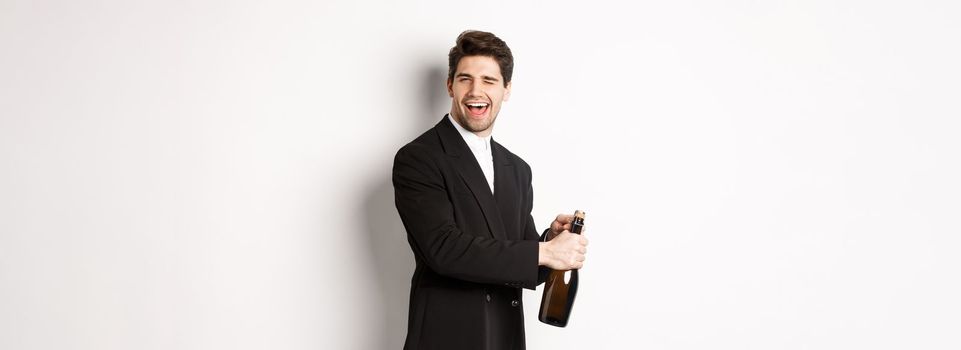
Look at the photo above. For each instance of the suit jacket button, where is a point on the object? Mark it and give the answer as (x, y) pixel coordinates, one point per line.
(488, 298)
(514, 303)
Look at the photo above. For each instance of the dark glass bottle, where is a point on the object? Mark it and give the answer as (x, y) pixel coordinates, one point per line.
(559, 294)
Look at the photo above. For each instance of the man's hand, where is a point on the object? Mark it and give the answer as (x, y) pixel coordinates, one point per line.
(561, 223)
(564, 252)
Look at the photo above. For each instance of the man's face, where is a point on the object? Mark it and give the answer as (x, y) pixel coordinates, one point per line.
(477, 91)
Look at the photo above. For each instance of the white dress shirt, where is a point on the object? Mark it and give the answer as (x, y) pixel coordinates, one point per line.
(481, 147)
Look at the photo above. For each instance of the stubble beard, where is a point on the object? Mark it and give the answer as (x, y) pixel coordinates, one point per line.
(476, 125)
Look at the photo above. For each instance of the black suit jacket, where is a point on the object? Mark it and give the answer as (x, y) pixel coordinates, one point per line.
(474, 250)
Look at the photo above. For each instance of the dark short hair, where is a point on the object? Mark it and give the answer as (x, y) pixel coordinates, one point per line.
(478, 43)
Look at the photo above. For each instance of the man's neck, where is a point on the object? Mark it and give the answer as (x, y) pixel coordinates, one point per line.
(483, 134)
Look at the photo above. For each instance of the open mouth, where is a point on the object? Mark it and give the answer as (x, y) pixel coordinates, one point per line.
(477, 108)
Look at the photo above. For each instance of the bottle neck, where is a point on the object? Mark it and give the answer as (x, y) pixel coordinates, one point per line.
(577, 225)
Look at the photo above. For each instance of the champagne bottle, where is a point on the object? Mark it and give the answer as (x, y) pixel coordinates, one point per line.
(560, 288)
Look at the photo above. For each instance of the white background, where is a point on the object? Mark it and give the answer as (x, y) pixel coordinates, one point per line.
(216, 174)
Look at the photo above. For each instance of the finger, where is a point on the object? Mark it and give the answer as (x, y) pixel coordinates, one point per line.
(559, 226)
(564, 218)
(583, 241)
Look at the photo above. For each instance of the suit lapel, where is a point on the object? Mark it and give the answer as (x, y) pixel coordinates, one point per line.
(472, 175)
(505, 184)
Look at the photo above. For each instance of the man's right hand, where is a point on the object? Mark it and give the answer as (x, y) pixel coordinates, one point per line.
(564, 252)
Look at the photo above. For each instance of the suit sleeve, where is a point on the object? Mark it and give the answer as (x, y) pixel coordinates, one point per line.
(428, 216)
(530, 232)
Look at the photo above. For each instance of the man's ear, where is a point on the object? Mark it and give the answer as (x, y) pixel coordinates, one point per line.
(450, 88)
(507, 94)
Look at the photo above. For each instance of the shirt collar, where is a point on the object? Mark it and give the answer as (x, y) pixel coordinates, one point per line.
(471, 138)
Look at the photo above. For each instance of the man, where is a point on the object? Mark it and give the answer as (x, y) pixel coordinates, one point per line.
(465, 202)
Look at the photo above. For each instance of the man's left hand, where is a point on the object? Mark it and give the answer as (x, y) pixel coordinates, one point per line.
(561, 223)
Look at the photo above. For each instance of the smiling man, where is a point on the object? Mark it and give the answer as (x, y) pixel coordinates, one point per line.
(466, 203)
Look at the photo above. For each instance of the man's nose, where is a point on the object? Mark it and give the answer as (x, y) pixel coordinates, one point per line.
(475, 89)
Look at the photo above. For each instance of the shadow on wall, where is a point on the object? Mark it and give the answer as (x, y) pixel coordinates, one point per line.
(390, 251)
